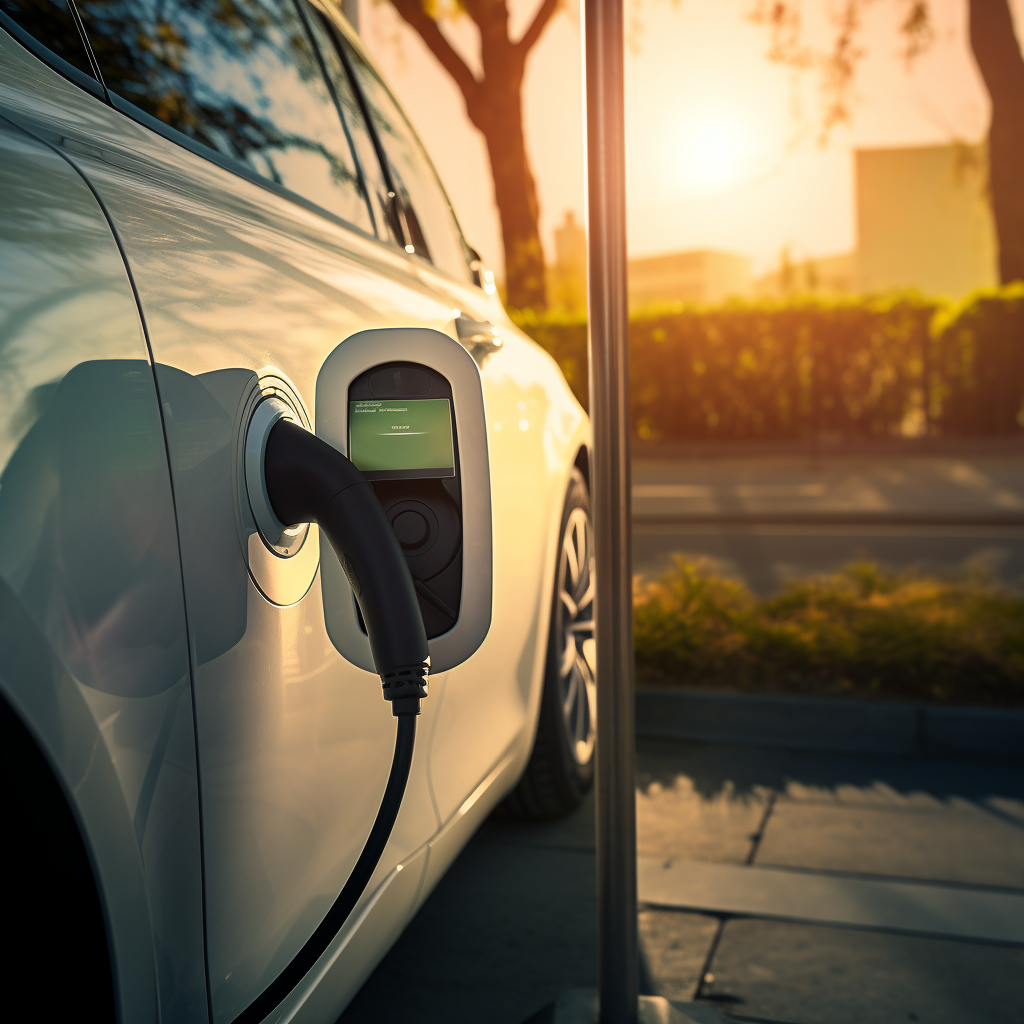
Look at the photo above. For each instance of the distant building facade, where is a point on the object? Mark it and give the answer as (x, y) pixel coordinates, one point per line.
(924, 220)
(702, 275)
(697, 276)
(567, 279)
(818, 275)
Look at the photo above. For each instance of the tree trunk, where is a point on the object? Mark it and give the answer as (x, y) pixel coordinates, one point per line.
(999, 60)
(498, 114)
(495, 106)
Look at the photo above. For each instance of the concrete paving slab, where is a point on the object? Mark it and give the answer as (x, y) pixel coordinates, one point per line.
(677, 820)
(583, 1007)
(675, 946)
(911, 907)
(769, 971)
(507, 929)
(892, 781)
(749, 771)
(959, 842)
(1005, 807)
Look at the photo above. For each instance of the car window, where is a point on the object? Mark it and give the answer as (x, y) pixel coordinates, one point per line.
(51, 23)
(355, 122)
(239, 76)
(427, 209)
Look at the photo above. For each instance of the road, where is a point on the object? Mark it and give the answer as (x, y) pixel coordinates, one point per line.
(766, 520)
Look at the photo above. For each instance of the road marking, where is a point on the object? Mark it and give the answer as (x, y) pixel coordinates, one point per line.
(917, 908)
(682, 526)
(813, 490)
(672, 491)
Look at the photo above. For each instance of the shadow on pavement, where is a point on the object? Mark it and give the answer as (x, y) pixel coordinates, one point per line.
(512, 923)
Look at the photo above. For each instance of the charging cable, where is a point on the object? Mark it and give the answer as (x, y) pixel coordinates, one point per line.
(306, 480)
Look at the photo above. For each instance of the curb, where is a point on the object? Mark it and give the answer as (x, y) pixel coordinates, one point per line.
(884, 447)
(807, 723)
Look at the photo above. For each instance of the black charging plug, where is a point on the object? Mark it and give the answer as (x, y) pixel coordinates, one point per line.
(309, 481)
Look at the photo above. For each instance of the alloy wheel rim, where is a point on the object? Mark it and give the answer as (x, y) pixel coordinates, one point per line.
(577, 684)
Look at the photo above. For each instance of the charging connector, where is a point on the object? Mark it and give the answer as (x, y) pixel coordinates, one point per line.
(308, 481)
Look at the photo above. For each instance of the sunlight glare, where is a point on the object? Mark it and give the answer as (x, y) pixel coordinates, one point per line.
(711, 154)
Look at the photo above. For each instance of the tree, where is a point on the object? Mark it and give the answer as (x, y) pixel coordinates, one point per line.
(997, 53)
(495, 107)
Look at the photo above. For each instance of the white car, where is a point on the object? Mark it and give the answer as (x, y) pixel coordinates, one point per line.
(213, 217)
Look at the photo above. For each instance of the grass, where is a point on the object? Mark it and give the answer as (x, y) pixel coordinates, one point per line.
(862, 632)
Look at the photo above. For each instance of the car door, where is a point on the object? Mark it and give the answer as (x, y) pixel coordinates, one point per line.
(93, 653)
(257, 244)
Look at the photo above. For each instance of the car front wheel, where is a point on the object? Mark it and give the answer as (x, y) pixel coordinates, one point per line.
(561, 767)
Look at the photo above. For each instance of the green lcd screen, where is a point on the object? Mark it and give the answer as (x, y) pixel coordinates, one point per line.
(402, 438)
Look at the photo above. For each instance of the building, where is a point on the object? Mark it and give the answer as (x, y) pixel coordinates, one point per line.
(702, 275)
(567, 279)
(698, 276)
(924, 220)
(816, 275)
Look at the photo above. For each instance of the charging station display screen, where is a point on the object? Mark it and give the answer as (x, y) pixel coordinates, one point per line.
(402, 438)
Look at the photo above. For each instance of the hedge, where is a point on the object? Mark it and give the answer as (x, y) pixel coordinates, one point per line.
(853, 368)
(861, 632)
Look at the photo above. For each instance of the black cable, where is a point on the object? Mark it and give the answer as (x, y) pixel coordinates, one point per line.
(315, 945)
(309, 481)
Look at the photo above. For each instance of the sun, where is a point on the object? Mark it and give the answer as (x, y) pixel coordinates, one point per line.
(711, 154)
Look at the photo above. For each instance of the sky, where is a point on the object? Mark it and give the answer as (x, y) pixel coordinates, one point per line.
(723, 148)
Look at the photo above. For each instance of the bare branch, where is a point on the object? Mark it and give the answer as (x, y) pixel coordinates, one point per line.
(837, 67)
(537, 26)
(413, 12)
(917, 30)
(840, 66)
(785, 27)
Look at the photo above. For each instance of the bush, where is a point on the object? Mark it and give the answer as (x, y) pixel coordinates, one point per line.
(861, 632)
(979, 363)
(852, 368)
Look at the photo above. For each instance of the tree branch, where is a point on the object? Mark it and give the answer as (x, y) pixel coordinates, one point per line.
(540, 21)
(428, 30)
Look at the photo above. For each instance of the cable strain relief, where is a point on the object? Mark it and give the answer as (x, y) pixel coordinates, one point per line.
(406, 682)
(405, 706)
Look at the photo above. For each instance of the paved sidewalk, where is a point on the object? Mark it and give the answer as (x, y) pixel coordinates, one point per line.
(512, 923)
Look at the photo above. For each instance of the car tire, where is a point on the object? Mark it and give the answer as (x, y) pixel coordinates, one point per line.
(560, 771)
(58, 957)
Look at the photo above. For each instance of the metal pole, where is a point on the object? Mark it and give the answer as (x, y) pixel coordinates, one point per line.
(618, 983)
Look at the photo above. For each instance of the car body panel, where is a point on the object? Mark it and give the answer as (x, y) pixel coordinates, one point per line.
(91, 610)
(295, 743)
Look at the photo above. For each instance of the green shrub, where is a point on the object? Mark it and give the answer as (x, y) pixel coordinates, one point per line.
(979, 363)
(851, 368)
(862, 632)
